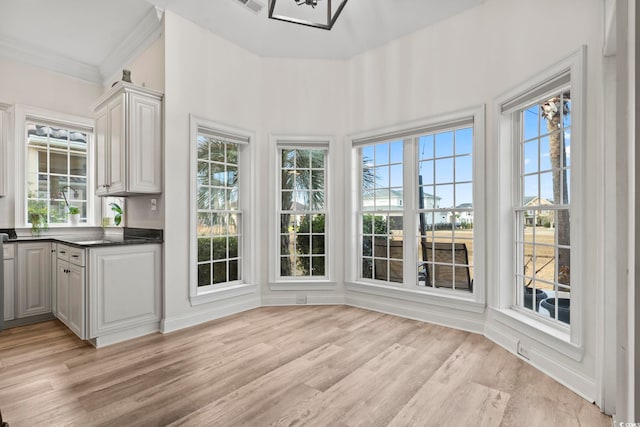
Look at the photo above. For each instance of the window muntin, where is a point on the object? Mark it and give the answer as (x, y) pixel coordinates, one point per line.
(445, 209)
(219, 217)
(302, 212)
(542, 211)
(57, 172)
(381, 211)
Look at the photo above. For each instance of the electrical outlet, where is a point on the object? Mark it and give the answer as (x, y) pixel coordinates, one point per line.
(154, 204)
(523, 351)
(301, 299)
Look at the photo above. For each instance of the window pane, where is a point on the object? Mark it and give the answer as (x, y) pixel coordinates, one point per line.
(216, 153)
(425, 147)
(444, 144)
(219, 272)
(204, 274)
(464, 141)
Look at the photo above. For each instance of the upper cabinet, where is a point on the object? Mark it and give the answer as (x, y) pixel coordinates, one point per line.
(128, 137)
(4, 151)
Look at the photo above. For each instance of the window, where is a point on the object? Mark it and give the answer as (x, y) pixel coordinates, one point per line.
(57, 172)
(302, 212)
(416, 208)
(541, 211)
(220, 199)
(541, 176)
(219, 223)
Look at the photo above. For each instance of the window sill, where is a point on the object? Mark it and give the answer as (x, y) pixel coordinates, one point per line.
(465, 302)
(223, 293)
(551, 337)
(299, 285)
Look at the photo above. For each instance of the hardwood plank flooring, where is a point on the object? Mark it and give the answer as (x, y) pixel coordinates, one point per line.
(332, 366)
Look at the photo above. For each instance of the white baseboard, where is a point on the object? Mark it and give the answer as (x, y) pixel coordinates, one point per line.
(216, 312)
(116, 337)
(564, 374)
(463, 320)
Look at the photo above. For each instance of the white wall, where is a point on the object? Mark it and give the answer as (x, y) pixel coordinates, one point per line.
(303, 98)
(468, 60)
(37, 87)
(216, 80)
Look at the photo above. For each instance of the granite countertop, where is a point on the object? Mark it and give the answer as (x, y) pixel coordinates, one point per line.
(130, 236)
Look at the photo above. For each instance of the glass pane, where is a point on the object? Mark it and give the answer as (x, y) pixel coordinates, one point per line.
(301, 201)
(380, 248)
(367, 268)
(58, 212)
(530, 192)
(78, 165)
(204, 274)
(318, 224)
(317, 200)
(382, 199)
(382, 154)
(219, 247)
(531, 156)
(304, 266)
(367, 246)
(217, 174)
(287, 266)
(219, 272)
(219, 224)
(382, 176)
(367, 155)
(395, 176)
(233, 227)
(233, 271)
(545, 154)
(464, 196)
(232, 199)
(317, 266)
(425, 172)
(288, 157)
(367, 224)
(204, 250)
(285, 222)
(203, 198)
(444, 171)
(287, 201)
(232, 154)
(395, 271)
(232, 176)
(302, 244)
(203, 147)
(546, 188)
(567, 147)
(530, 117)
(317, 180)
(204, 224)
(218, 198)
(425, 147)
(216, 151)
(528, 267)
(202, 176)
(286, 244)
(303, 159)
(317, 246)
(233, 247)
(464, 141)
(396, 149)
(444, 144)
(464, 168)
(58, 163)
(444, 196)
(317, 159)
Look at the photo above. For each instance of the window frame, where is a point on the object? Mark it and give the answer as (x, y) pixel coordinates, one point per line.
(24, 114)
(202, 295)
(302, 283)
(410, 290)
(567, 340)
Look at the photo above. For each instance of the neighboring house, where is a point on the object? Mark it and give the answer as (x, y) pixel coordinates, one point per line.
(544, 216)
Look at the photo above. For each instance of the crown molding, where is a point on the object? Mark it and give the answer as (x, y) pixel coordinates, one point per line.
(17, 51)
(143, 35)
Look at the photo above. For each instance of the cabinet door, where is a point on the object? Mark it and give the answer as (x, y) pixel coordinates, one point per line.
(62, 291)
(116, 145)
(76, 320)
(102, 152)
(9, 287)
(145, 144)
(34, 279)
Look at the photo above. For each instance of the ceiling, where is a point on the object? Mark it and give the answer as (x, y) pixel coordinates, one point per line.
(93, 38)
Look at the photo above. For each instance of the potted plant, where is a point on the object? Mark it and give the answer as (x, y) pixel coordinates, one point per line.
(74, 215)
(38, 219)
(117, 219)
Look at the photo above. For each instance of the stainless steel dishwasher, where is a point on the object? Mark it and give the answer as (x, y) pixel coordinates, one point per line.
(3, 238)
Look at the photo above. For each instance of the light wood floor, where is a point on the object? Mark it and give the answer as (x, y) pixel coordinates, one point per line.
(321, 366)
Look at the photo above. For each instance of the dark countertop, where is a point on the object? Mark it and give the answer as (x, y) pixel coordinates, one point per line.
(131, 236)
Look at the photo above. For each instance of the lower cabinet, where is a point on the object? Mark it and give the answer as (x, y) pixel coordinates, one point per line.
(34, 279)
(9, 281)
(71, 289)
(124, 289)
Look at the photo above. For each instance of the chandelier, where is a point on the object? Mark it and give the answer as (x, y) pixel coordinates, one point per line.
(312, 13)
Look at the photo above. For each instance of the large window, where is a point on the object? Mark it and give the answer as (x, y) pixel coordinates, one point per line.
(302, 212)
(220, 232)
(416, 206)
(542, 243)
(57, 173)
(219, 219)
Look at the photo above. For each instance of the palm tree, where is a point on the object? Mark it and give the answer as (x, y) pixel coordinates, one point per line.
(553, 111)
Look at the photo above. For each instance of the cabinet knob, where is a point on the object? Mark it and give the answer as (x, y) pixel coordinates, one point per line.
(74, 256)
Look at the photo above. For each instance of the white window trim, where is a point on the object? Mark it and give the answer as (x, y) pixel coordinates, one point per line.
(473, 302)
(569, 343)
(22, 113)
(249, 241)
(276, 282)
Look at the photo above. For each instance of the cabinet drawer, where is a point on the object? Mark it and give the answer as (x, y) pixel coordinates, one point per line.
(76, 256)
(63, 252)
(9, 251)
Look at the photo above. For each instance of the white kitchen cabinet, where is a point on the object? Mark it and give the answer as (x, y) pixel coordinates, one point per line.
(128, 136)
(125, 287)
(71, 289)
(4, 153)
(9, 281)
(34, 279)
(54, 281)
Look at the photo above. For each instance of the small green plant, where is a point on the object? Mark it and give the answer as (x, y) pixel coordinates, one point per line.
(74, 210)
(117, 219)
(38, 217)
